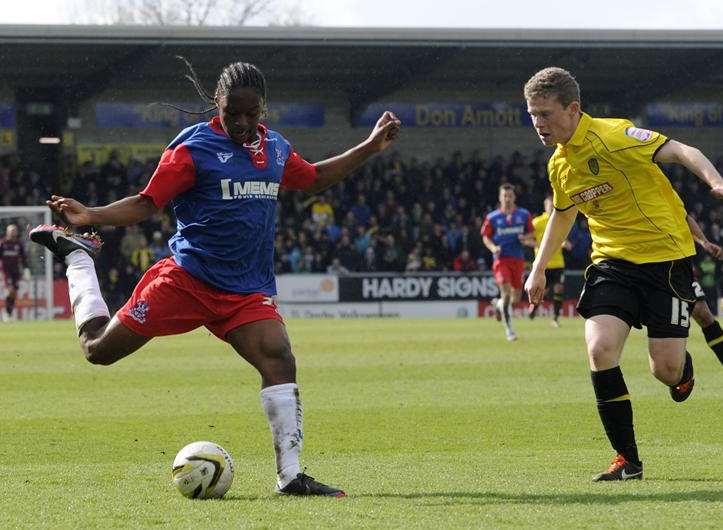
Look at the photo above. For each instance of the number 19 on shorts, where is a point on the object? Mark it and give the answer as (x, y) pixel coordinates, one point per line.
(679, 315)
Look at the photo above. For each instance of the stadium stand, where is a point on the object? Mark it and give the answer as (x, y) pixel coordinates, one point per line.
(395, 214)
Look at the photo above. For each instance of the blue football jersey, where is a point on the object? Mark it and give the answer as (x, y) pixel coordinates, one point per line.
(226, 215)
(505, 230)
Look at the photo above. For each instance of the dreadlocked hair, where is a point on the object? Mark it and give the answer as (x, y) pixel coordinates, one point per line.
(233, 76)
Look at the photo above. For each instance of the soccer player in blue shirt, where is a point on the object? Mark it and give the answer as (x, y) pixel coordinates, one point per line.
(223, 178)
(505, 232)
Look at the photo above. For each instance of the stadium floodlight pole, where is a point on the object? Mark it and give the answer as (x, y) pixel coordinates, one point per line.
(7, 211)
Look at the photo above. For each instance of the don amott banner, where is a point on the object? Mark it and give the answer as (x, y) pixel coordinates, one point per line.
(472, 114)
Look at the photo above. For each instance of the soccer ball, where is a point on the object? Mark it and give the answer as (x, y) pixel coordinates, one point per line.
(203, 470)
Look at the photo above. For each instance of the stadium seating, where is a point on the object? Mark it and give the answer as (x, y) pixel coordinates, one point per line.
(395, 214)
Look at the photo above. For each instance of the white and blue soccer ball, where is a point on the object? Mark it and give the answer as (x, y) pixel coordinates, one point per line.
(203, 470)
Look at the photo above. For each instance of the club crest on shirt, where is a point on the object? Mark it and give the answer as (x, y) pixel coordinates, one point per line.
(139, 311)
(591, 193)
(642, 135)
(279, 156)
(224, 157)
(594, 166)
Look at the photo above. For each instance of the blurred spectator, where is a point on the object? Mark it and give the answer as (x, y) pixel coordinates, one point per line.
(159, 247)
(361, 211)
(369, 263)
(346, 255)
(116, 288)
(429, 262)
(336, 268)
(391, 258)
(130, 241)
(414, 259)
(141, 257)
(322, 213)
(464, 262)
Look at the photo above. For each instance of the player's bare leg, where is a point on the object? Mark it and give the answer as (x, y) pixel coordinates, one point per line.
(672, 365)
(266, 346)
(711, 328)
(104, 341)
(605, 336)
(504, 308)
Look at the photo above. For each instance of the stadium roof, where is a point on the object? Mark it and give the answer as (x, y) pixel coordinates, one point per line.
(360, 36)
(365, 63)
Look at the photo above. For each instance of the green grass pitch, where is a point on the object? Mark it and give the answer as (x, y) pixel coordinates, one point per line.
(426, 424)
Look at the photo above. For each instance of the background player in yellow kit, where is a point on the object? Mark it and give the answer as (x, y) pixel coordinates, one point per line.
(555, 271)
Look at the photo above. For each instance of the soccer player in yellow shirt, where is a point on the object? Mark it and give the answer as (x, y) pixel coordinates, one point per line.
(641, 273)
(555, 271)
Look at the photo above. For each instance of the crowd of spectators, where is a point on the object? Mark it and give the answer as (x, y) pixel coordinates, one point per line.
(395, 214)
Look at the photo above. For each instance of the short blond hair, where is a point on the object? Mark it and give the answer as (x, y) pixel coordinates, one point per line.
(553, 82)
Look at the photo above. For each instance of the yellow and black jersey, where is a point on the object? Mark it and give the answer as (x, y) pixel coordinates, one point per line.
(557, 261)
(607, 170)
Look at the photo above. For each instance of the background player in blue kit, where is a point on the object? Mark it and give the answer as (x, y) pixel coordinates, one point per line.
(222, 178)
(505, 232)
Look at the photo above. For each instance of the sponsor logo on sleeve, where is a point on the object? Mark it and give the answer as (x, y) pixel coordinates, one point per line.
(642, 135)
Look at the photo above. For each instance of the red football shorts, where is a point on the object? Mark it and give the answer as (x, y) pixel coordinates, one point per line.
(509, 271)
(169, 301)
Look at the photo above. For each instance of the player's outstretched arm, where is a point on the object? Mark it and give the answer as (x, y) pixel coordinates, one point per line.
(128, 211)
(555, 234)
(335, 169)
(696, 162)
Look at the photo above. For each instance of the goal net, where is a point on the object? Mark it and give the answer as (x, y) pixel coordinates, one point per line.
(34, 299)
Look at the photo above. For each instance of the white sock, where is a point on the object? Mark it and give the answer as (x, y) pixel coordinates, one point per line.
(283, 409)
(85, 297)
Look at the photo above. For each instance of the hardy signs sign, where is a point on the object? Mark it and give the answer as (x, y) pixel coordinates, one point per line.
(394, 287)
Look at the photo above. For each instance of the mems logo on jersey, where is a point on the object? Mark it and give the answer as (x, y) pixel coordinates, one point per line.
(249, 190)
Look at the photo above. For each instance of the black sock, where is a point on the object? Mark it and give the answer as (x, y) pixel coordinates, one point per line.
(616, 411)
(557, 304)
(9, 304)
(714, 337)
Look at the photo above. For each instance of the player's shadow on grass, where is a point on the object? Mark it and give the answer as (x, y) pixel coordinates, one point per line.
(462, 497)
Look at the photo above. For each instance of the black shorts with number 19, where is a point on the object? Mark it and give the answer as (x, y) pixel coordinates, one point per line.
(658, 296)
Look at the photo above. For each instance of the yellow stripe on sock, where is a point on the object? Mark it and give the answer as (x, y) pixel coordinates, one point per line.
(716, 341)
(624, 397)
